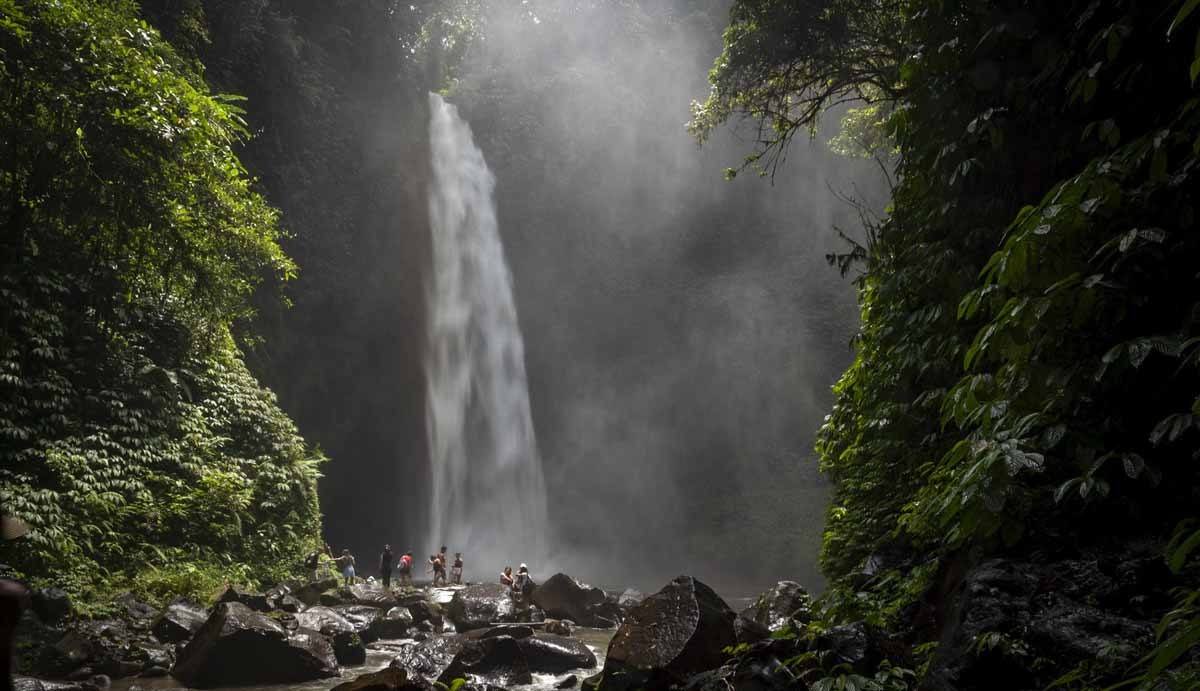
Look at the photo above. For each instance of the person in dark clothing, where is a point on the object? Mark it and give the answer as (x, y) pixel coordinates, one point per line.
(13, 597)
(385, 566)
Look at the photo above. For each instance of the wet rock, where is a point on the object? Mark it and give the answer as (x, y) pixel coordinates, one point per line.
(748, 630)
(371, 595)
(477, 606)
(20, 683)
(310, 593)
(567, 683)
(486, 661)
(107, 646)
(361, 616)
(178, 622)
(255, 601)
(552, 654)
(1078, 632)
(348, 645)
(238, 646)
(630, 598)
(138, 613)
(783, 602)
(563, 597)
(592, 683)
(387, 679)
(850, 644)
(394, 623)
(51, 605)
(423, 611)
(514, 631)
(558, 627)
(431, 658)
(156, 671)
(605, 615)
(673, 634)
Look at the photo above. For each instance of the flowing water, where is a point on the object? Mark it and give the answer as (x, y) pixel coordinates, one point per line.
(488, 494)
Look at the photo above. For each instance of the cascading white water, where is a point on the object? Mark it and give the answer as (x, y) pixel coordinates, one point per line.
(488, 494)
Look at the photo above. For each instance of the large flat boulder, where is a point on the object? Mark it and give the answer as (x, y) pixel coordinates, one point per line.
(563, 597)
(477, 606)
(550, 654)
(673, 634)
(370, 594)
(239, 647)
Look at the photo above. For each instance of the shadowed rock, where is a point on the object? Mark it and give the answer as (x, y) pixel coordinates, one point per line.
(484, 661)
(238, 646)
(552, 654)
(387, 679)
(675, 633)
(785, 601)
(563, 597)
(348, 645)
(178, 622)
(477, 606)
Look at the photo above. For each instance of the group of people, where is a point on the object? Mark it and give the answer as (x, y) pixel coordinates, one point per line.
(322, 562)
(437, 566)
(520, 584)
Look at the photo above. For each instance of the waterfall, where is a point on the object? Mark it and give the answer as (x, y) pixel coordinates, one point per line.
(488, 494)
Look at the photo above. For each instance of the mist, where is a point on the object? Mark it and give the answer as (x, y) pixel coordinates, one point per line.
(682, 331)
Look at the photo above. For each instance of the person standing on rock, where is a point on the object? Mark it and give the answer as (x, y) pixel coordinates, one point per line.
(346, 563)
(406, 564)
(456, 572)
(523, 584)
(13, 597)
(506, 577)
(385, 566)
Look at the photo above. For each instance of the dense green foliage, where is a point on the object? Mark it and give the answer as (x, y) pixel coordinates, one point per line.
(336, 98)
(1026, 364)
(135, 443)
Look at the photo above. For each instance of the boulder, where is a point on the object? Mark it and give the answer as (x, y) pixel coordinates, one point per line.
(559, 627)
(386, 679)
(604, 615)
(514, 631)
(394, 623)
(550, 654)
(20, 683)
(783, 602)
(361, 616)
(484, 661)
(348, 645)
(568, 682)
(51, 605)
(107, 646)
(477, 606)
(563, 597)
(255, 601)
(178, 622)
(749, 631)
(138, 613)
(239, 647)
(675, 633)
(369, 594)
(310, 593)
(423, 611)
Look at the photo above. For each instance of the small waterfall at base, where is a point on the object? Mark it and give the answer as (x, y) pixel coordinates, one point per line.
(488, 495)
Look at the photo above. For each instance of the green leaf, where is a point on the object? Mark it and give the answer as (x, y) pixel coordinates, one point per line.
(1189, 6)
